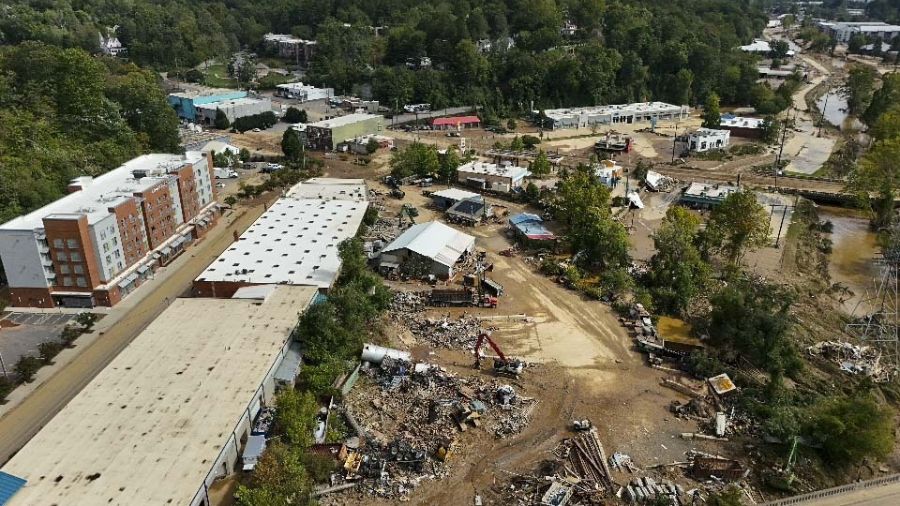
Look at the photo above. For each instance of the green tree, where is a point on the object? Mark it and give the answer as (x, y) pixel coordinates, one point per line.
(372, 146)
(449, 162)
(416, 159)
(738, 225)
(883, 99)
(291, 145)
(888, 125)
(780, 49)
(280, 478)
(541, 165)
(244, 155)
(852, 428)
(516, 144)
(677, 270)
(294, 115)
(532, 192)
(711, 116)
(511, 124)
(751, 319)
(27, 367)
(221, 122)
(771, 127)
(859, 88)
(878, 174)
(297, 417)
(143, 104)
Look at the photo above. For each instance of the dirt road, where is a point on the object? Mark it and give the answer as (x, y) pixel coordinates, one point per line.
(23, 421)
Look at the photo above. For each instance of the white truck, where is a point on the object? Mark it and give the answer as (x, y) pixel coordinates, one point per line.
(252, 451)
(225, 173)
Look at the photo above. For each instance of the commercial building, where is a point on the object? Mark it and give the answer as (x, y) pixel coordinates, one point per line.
(490, 176)
(434, 243)
(705, 196)
(99, 242)
(303, 92)
(301, 51)
(329, 134)
(186, 103)
(445, 199)
(844, 31)
(708, 139)
(456, 122)
(295, 242)
(168, 416)
(233, 108)
(585, 117)
(741, 126)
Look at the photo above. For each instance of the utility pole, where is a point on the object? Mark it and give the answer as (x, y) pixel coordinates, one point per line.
(777, 167)
(822, 114)
(674, 141)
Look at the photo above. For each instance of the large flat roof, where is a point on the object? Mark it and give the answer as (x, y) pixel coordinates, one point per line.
(295, 242)
(150, 426)
(233, 102)
(510, 171)
(602, 110)
(100, 193)
(344, 120)
(327, 188)
(433, 240)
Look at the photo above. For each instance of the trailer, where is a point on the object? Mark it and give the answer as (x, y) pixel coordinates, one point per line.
(463, 297)
(253, 450)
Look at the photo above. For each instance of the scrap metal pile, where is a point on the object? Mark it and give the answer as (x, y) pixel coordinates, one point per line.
(407, 308)
(412, 415)
(854, 359)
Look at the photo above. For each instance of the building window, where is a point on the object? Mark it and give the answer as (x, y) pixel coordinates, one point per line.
(71, 243)
(105, 248)
(79, 269)
(63, 268)
(67, 281)
(61, 256)
(76, 256)
(81, 282)
(57, 243)
(108, 259)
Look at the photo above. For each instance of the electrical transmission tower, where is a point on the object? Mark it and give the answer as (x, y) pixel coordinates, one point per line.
(882, 327)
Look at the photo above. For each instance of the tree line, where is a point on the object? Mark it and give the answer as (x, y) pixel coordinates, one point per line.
(64, 113)
(624, 50)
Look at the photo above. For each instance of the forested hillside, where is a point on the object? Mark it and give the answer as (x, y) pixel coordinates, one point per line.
(624, 50)
(64, 113)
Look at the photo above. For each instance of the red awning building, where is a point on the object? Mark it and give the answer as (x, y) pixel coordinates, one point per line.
(455, 122)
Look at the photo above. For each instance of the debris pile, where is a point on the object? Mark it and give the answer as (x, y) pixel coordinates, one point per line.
(647, 489)
(407, 308)
(853, 359)
(411, 418)
(585, 457)
(383, 229)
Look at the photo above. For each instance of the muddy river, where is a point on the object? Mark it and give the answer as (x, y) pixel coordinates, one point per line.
(854, 255)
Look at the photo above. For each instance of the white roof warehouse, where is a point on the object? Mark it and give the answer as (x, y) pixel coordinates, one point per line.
(166, 417)
(295, 242)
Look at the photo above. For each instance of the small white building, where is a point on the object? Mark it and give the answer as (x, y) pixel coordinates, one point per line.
(303, 92)
(708, 139)
(111, 45)
(641, 112)
(233, 109)
(434, 242)
(761, 47)
(490, 176)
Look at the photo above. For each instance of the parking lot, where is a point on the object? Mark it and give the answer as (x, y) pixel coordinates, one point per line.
(37, 319)
(22, 333)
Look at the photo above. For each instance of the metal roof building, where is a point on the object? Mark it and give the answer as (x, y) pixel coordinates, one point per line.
(582, 117)
(295, 242)
(434, 241)
(166, 417)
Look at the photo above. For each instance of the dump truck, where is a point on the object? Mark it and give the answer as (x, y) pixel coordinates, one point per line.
(460, 297)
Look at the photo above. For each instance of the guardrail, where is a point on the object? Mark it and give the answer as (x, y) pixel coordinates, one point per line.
(830, 492)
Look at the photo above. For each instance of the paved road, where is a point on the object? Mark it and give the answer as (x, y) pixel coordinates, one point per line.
(406, 118)
(22, 422)
(883, 491)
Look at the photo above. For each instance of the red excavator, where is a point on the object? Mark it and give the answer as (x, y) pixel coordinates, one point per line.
(502, 364)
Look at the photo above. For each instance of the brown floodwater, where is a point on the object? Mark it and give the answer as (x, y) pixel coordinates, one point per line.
(854, 254)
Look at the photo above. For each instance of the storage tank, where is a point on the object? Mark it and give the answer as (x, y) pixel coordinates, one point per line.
(375, 354)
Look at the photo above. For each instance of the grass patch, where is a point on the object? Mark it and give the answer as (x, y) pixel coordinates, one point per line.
(217, 77)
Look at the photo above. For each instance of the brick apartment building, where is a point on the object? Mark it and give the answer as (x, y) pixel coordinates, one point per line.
(99, 242)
